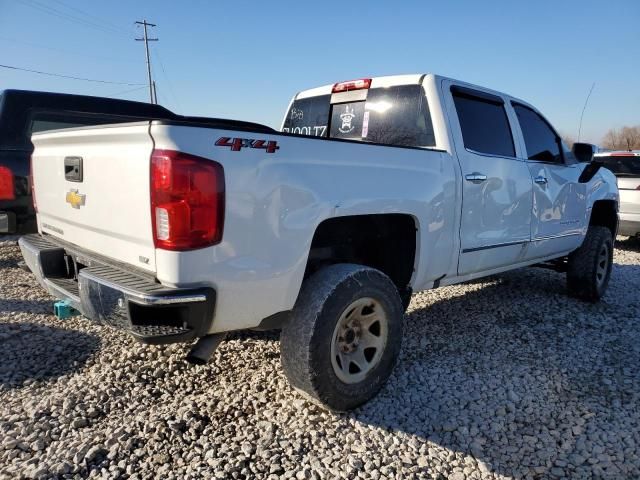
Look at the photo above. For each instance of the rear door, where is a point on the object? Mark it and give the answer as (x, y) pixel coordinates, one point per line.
(92, 190)
(496, 185)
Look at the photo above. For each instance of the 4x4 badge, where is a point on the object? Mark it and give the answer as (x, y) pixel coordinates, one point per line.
(236, 144)
(75, 199)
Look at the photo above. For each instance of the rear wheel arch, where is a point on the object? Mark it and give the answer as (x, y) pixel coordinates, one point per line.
(387, 242)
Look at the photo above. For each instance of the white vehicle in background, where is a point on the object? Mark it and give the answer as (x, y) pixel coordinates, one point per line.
(625, 165)
(177, 231)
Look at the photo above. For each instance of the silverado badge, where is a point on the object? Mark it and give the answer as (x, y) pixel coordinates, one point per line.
(75, 199)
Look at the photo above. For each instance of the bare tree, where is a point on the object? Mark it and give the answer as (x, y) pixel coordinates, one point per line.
(611, 139)
(631, 137)
(625, 138)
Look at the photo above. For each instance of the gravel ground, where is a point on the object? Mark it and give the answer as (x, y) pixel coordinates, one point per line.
(503, 378)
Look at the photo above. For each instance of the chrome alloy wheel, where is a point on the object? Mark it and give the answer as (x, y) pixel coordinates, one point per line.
(359, 340)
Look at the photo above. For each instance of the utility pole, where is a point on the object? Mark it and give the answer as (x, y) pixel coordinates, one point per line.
(146, 41)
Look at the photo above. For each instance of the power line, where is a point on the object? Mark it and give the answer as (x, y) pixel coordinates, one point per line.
(157, 53)
(66, 16)
(89, 15)
(124, 92)
(11, 67)
(60, 50)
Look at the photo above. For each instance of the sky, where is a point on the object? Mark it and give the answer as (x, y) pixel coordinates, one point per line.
(245, 60)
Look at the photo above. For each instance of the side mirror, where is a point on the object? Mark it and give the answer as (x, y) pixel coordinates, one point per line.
(583, 151)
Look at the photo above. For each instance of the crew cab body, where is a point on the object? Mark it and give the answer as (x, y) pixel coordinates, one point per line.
(472, 182)
(23, 113)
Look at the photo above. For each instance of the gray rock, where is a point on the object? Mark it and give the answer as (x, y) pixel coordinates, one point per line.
(79, 422)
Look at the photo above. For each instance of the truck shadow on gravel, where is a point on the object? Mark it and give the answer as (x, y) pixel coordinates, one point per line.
(520, 376)
(629, 244)
(28, 306)
(33, 352)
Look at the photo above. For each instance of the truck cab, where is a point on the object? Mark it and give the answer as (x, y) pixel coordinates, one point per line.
(518, 184)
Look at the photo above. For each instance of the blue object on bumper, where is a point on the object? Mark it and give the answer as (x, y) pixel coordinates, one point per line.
(62, 309)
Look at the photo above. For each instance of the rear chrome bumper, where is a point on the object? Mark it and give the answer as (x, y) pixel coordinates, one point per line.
(118, 297)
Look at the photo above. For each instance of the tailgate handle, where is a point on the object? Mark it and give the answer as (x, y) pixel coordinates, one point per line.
(73, 169)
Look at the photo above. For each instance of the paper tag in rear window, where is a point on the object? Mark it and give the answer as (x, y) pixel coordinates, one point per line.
(365, 124)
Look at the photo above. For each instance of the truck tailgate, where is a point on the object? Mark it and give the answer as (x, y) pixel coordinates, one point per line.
(92, 189)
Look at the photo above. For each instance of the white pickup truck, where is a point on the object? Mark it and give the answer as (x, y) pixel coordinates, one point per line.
(178, 231)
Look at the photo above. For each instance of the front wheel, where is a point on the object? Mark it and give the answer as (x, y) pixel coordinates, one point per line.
(344, 336)
(589, 267)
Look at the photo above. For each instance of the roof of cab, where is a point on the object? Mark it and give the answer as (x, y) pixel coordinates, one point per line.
(416, 78)
(376, 82)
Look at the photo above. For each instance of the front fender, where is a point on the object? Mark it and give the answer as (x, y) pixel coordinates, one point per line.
(603, 186)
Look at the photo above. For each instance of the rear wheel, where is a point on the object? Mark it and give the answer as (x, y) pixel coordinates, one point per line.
(344, 336)
(589, 267)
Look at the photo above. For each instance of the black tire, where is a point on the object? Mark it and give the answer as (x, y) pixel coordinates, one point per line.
(405, 298)
(306, 340)
(589, 267)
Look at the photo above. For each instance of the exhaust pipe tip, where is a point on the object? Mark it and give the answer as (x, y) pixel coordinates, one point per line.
(203, 350)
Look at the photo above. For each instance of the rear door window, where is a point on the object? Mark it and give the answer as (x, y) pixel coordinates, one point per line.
(391, 116)
(484, 124)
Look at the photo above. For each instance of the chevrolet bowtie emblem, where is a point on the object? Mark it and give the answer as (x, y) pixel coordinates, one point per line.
(75, 199)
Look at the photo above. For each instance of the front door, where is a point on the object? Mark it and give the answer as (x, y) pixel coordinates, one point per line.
(496, 185)
(559, 200)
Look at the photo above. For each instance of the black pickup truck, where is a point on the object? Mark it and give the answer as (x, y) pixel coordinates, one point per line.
(25, 112)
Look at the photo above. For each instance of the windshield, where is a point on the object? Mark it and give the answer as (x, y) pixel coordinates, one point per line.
(392, 116)
(622, 165)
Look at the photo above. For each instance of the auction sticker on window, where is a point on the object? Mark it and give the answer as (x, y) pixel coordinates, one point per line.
(365, 124)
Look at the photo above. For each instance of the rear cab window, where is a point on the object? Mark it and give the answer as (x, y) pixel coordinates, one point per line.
(309, 116)
(397, 115)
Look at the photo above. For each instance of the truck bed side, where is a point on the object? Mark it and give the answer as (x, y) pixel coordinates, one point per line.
(274, 204)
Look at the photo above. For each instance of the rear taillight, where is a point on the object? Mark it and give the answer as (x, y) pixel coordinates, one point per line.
(187, 200)
(7, 191)
(360, 84)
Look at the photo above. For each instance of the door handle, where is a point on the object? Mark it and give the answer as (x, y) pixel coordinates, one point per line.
(73, 169)
(540, 180)
(475, 177)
